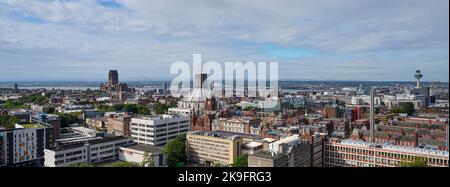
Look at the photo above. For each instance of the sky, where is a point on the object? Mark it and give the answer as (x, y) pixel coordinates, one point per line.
(382, 40)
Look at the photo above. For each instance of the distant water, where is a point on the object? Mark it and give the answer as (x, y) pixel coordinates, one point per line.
(60, 88)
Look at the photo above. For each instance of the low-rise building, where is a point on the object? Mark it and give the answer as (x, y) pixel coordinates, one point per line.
(210, 148)
(287, 152)
(91, 151)
(118, 123)
(358, 153)
(136, 154)
(240, 124)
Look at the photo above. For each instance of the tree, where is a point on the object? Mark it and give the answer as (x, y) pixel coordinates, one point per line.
(160, 108)
(143, 110)
(175, 151)
(241, 161)
(69, 118)
(218, 165)
(417, 162)
(408, 108)
(8, 122)
(397, 110)
(49, 110)
(148, 160)
(82, 165)
(124, 164)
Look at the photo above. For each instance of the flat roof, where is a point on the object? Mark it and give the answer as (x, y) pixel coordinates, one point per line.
(92, 142)
(217, 134)
(149, 148)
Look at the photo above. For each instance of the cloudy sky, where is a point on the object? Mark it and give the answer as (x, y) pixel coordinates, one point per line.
(311, 39)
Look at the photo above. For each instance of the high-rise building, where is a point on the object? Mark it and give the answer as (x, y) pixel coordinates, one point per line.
(24, 145)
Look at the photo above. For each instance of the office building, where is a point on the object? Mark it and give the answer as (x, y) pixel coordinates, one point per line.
(158, 130)
(89, 151)
(209, 148)
(358, 153)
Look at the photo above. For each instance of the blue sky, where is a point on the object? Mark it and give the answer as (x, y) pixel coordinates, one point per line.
(314, 40)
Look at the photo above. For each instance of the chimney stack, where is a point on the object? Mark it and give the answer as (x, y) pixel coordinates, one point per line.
(372, 115)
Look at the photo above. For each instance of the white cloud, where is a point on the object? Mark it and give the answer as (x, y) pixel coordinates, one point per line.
(145, 36)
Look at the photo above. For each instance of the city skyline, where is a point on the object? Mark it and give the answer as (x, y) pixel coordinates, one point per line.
(326, 40)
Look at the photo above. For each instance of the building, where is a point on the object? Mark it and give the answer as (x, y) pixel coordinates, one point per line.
(357, 153)
(23, 116)
(113, 87)
(287, 152)
(210, 148)
(24, 145)
(118, 123)
(90, 151)
(200, 103)
(238, 124)
(315, 140)
(135, 153)
(53, 120)
(158, 130)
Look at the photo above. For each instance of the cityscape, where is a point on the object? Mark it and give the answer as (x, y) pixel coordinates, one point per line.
(78, 98)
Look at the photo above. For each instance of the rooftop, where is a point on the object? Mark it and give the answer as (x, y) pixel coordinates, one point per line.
(148, 148)
(30, 126)
(392, 147)
(217, 134)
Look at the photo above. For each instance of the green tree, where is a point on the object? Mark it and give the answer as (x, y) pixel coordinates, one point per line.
(241, 161)
(397, 110)
(408, 108)
(148, 160)
(160, 108)
(82, 165)
(8, 122)
(69, 118)
(124, 164)
(49, 110)
(218, 165)
(175, 151)
(105, 108)
(143, 110)
(130, 108)
(417, 162)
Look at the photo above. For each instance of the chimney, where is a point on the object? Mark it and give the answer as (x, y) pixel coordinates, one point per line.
(372, 115)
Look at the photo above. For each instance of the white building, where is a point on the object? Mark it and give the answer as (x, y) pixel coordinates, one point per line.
(93, 151)
(364, 100)
(158, 130)
(184, 111)
(135, 154)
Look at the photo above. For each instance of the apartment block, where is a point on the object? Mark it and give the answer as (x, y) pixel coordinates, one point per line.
(24, 145)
